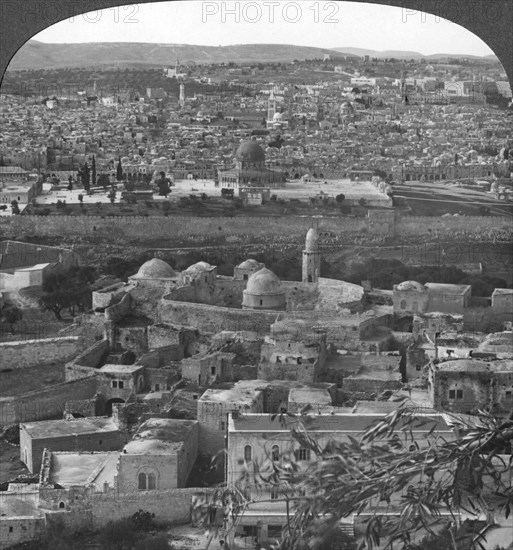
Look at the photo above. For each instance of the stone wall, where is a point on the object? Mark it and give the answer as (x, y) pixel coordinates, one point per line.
(212, 319)
(30, 353)
(46, 403)
(121, 227)
(15, 530)
(87, 363)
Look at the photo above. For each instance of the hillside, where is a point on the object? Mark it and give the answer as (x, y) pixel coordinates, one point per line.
(404, 54)
(38, 55)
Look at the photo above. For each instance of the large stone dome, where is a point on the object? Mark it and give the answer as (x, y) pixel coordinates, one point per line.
(197, 268)
(155, 269)
(250, 151)
(264, 282)
(248, 264)
(411, 285)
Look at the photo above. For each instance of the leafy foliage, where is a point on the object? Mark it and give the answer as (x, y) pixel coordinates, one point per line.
(67, 289)
(402, 481)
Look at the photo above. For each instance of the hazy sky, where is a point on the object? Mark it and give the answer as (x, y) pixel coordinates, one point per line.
(308, 23)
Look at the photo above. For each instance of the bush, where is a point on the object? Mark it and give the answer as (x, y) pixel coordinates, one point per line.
(118, 535)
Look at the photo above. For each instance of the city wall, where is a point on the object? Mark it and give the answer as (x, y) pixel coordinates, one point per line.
(30, 353)
(208, 228)
(46, 403)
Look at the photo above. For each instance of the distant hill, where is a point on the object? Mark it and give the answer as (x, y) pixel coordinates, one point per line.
(38, 55)
(404, 54)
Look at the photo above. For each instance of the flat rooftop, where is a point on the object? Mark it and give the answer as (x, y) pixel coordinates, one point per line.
(475, 365)
(19, 504)
(244, 392)
(63, 428)
(347, 423)
(80, 468)
(441, 288)
(120, 369)
(160, 436)
(318, 396)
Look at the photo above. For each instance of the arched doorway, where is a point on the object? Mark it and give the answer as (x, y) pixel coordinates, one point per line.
(109, 403)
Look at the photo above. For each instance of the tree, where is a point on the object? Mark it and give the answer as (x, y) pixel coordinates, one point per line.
(104, 181)
(340, 198)
(81, 200)
(164, 185)
(93, 171)
(67, 289)
(112, 195)
(119, 171)
(14, 207)
(11, 315)
(85, 177)
(420, 477)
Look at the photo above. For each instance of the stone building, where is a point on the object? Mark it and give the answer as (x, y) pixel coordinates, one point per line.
(245, 269)
(250, 169)
(467, 385)
(440, 306)
(293, 351)
(264, 291)
(80, 434)
(264, 439)
(160, 456)
(25, 264)
(215, 404)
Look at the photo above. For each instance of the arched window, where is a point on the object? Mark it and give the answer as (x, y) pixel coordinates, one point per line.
(142, 482)
(62, 505)
(275, 453)
(248, 452)
(147, 481)
(152, 482)
(403, 304)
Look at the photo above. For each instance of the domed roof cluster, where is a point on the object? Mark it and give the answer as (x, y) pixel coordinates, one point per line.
(312, 240)
(264, 282)
(197, 268)
(250, 151)
(155, 269)
(248, 264)
(411, 285)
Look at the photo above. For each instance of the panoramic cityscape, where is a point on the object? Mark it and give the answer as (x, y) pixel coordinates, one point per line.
(256, 291)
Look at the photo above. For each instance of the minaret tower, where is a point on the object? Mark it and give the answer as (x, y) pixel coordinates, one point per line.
(182, 95)
(271, 106)
(311, 257)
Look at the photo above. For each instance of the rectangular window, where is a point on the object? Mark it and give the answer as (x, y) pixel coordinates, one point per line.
(10, 529)
(213, 370)
(274, 493)
(121, 385)
(452, 394)
(303, 454)
(114, 383)
(417, 367)
(459, 394)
